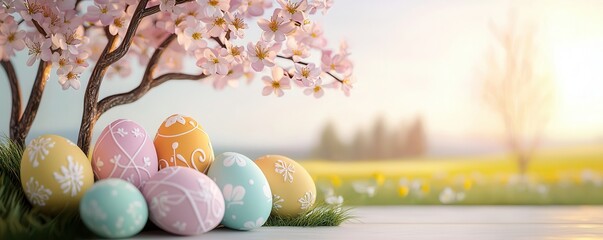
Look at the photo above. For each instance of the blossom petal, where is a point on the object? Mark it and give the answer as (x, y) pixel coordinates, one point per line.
(267, 90)
(308, 91)
(257, 66)
(277, 73)
(279, 92)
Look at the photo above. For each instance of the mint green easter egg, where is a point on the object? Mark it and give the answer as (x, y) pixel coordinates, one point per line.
(245, 189)
(114, 208)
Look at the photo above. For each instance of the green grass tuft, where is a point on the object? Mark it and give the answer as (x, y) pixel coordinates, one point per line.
(321, 215)
(18, 220)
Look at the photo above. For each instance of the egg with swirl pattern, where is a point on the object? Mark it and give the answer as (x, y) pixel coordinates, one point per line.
(181, 141)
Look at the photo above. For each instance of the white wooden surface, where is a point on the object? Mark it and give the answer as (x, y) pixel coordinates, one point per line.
(438, 222)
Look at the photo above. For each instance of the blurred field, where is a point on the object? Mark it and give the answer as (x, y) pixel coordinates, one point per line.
(561, 176)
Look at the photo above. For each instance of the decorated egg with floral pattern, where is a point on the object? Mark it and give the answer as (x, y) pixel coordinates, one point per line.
(184, 201)
(124, 150)
(55, 173)
(292, 187)
(246, 191)
(181, 141)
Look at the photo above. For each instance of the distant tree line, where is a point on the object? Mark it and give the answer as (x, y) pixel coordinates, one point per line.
(380, 142)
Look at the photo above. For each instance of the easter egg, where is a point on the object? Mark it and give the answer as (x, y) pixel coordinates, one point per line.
(292, 187)
(55, 173)
(184, 201)
(114, 208)
(246, 191)
(181, 141)
(124, 150)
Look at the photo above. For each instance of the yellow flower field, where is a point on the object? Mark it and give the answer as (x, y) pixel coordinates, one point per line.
(555, 176)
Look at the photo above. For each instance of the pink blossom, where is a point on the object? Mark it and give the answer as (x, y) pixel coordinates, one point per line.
(277, 84)
(182, 11)
(193, 36)
(71, 77)
(95, 48)
(80, 59)
(147, 37)
(217, 26)
(62, 61)
(306, 73)
(11, 39)
(6, 18)
(231, 78)
(75, 38)
(167, 5)
(338, 63)
(314, 36)
(131, 2)
(323, 5)
(262, 55)
(293, 10)
(212, 63)
(39, 48)
(65, 5)
(343, 48)
(233, 53)
(248, 73)
(214, 7)
(236, 25)
(296, 51)
(71, 20)
(254, 8)
(345, 85)
(121, 68)
(277, 27)
(120, 24)
(235, 5)
(105, 13)
(316, 90)
(165, 22)
(27, 9)
(58, 41)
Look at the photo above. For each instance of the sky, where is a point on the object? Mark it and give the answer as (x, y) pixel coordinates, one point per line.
(411, 58)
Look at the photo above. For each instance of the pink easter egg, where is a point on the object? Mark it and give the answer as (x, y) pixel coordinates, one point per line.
(124, 150)
(184, 201)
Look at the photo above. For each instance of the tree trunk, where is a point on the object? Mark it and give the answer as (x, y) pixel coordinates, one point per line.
(522, 163)
(35, 97)
(20, 122)
(90, 114)
(15, 91)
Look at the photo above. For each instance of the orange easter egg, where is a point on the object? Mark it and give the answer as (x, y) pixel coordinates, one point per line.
(181, 141)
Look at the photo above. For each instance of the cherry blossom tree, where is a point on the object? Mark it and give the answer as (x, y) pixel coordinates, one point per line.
(69, 37)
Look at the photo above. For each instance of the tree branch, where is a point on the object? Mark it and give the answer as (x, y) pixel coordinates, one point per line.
(145, 84)
(140, 13)
(305, 63)
(15, 91)
(217, 39)
(39, 28)
(126, 42)
(176, 76)
(29, 114)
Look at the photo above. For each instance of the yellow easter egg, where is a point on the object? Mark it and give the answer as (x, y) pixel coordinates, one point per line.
(55, 174)
(292, 187)
(181, 141)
